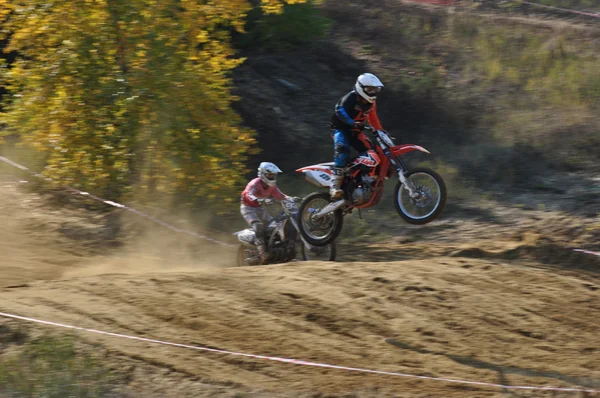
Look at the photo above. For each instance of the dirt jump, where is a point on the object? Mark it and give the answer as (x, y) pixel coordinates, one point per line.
(500, 299)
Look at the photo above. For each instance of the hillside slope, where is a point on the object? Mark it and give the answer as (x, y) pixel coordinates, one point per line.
(489, 319)
(491, 93)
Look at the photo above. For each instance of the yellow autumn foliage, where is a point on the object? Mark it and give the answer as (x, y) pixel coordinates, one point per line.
(129, 93)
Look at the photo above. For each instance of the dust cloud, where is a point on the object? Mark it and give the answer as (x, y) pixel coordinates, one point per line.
(42, 242)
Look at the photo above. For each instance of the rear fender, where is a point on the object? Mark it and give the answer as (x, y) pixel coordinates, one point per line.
(319, 175)
(402, 149)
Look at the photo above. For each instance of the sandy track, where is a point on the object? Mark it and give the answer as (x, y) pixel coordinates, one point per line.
(473, 319)
(487, 320)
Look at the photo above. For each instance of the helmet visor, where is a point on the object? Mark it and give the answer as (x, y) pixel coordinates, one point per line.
(372, 90)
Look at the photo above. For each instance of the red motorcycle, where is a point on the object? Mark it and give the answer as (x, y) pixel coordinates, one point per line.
(420, 194)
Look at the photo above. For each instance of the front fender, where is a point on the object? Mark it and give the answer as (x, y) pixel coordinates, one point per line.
(402, 149)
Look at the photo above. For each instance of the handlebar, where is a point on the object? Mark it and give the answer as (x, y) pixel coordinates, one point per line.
(368, 128)
(371, 129)
(270, 201)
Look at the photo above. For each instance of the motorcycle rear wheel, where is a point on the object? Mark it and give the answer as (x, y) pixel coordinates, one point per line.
(242, 257)
(329, 225)
(425, 213)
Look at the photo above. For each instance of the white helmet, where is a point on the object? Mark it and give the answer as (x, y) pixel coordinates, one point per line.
(368, 86)
(267, 172)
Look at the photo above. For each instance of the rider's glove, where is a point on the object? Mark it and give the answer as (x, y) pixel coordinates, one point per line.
(265, 201)
(358, 126)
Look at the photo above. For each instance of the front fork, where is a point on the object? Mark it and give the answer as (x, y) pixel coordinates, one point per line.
(401, 169)
(297, 228)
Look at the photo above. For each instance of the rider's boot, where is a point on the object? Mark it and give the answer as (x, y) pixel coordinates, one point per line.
(263, 254)
(335, 189)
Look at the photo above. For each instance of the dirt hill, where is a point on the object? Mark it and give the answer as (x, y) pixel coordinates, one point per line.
(496, 297)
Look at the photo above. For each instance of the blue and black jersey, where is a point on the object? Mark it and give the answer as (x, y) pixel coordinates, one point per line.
(350, 109)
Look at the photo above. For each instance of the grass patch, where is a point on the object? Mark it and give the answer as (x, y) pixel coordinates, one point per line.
(11, 336)
(359, 230)
(51, 367)
(298, 25)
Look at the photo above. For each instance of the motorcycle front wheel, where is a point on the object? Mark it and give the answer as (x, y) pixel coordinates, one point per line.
(318, 253)
(429, 200)
(323, 230)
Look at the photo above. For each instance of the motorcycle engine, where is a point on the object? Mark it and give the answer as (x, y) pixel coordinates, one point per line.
(283, 251)
(363, 191)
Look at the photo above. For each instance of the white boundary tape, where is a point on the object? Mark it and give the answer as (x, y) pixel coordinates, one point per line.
(586, 13)
(589, 14)
(300, 362)
(118, 205)
(587, 252)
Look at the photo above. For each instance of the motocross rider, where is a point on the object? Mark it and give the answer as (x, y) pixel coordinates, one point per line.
(259, 192)
(352, 111)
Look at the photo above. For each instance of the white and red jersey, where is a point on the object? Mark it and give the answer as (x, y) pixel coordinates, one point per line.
(256, 190)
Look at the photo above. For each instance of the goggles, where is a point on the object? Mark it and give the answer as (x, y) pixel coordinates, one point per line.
(372, 90)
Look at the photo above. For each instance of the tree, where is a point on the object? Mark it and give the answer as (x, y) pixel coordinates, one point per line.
(129, 93)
